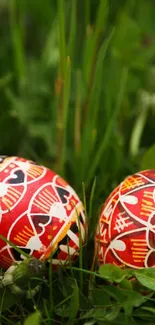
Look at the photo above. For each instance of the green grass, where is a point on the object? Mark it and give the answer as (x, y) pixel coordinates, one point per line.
(77, 82)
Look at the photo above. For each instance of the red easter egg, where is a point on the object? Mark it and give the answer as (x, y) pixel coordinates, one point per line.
(125, 233)
(40, 213)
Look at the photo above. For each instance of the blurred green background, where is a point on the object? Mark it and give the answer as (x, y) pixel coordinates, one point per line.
(77, 81)
(77, 94)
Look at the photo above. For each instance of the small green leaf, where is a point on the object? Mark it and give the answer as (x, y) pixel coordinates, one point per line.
(133, 299)
(90, 322)
(148, 159)
(7, 299)
(103, 314)
(99, 313)
(88, 314)
(112, 313)
(126, 284)
(114, 292)
(143, 313)
(112, 273)
(33, 319)
(150, 309)
(69, 306)
(100, 298)
(121, 319)
(146, 277)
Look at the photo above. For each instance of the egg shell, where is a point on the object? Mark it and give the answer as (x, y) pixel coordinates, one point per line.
(125, 234)
(39, 212)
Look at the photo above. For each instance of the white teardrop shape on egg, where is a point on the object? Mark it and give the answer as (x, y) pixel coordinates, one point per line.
(14, 176)
(130, 199)
(57, 210)
(24, 165)
(117, 244)
(3, 189)
(34, 243)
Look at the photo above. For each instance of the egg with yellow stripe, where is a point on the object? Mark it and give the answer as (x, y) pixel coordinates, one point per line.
(125, 234)
(40, 213)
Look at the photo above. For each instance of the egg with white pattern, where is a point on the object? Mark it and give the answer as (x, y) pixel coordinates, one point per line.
(125, 234)
(40, 213)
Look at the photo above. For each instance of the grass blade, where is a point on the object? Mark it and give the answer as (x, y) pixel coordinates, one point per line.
(17, 41)
(14, 246)
(74, 305)
(137, 131)
(87, 13)
(92, 194)
(73, 25)
(93, 40)
(62, 41)
(77, 127)
(93, 103)
(66, 97)
(63, 92)
(109, 129)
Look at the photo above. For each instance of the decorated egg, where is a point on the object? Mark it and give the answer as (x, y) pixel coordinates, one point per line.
(125, 234)
(40, 213)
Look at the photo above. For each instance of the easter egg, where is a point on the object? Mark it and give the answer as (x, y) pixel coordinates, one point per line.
(125, 234)
(40, 213)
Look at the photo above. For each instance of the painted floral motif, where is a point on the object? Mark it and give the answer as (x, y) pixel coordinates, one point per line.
(125, 234)
(39, 213)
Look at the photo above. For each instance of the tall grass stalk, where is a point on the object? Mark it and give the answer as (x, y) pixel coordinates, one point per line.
(109, 129)
(17, 36)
